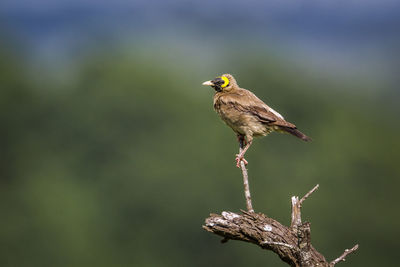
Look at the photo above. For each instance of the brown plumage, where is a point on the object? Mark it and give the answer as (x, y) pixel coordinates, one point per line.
(246, 114)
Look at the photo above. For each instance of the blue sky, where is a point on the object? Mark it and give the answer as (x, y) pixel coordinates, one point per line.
(351, 33)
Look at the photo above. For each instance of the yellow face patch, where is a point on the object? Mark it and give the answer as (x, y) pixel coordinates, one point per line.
(226, 81)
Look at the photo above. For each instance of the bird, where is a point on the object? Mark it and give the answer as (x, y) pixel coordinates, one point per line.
(246, 114)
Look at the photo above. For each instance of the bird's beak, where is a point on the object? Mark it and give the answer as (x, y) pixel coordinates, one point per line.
(210, 83)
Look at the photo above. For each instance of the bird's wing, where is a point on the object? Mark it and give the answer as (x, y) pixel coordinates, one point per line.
(246, 101)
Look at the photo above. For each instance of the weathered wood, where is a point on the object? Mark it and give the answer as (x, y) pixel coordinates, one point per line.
(292, 244)
(247, 195)
(343, 256)
(265, 232)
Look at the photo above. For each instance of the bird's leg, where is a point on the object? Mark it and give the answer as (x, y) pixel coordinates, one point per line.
(240, 139)
(243, 149)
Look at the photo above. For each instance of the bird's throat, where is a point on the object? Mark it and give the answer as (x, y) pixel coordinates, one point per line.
(217, 88)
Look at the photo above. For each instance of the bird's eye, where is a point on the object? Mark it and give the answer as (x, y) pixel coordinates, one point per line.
(226, 81)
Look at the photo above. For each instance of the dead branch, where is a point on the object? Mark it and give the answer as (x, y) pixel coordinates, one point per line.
(249, 205)
(343, 256)
(308, 194)
(292, 244)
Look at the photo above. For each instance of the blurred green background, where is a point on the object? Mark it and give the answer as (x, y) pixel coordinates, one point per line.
(111, 153)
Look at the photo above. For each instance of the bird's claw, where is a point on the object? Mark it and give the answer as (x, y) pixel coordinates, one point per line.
(240, 158)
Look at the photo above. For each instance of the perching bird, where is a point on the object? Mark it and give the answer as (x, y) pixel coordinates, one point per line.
(246, 114)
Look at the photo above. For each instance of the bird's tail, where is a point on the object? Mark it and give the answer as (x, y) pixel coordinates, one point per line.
(297, 133)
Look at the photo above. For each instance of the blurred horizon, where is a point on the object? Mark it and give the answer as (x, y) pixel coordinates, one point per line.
(341, 36)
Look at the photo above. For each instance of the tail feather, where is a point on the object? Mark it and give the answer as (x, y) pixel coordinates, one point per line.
(297, 133)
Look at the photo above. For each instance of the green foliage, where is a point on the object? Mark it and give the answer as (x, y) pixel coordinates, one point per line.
(120, 165)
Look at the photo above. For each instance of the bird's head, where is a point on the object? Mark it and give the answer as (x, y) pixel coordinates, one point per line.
(223, 83)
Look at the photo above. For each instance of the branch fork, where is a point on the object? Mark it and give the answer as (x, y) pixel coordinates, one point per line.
(292, 244)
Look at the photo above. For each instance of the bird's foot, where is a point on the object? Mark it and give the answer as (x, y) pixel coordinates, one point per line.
(238, 159)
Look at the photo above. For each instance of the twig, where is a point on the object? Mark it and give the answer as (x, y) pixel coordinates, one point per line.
(308, 194)
(245, 180)
(343, 256)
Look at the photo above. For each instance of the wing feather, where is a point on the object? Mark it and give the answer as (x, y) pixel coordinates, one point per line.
(246, 101)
